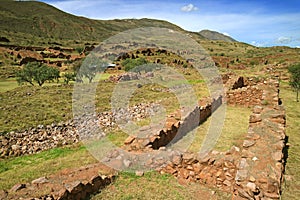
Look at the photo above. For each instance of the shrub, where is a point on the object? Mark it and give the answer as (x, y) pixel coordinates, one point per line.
(129, 64)
(37, 72)
(294, 70)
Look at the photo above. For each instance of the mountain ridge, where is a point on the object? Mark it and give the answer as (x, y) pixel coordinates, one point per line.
(36, 21)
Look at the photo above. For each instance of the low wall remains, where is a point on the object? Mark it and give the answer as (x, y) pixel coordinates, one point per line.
(43, 137)
(261, 166)
(78, 184)
(253, 171)
(174, 128)
(243, 91)
(246, 96)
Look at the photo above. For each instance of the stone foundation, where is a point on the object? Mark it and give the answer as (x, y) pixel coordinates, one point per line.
(254, 171)
(65, 185)
(174, 129)
(261, 167)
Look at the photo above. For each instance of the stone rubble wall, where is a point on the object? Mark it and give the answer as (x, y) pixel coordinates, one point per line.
(38, 139)
(246, 96)
(213, 169)
(261, 167)
(243, 91)
(66, 185)
(254, 171)
(174, 128)
(42, 137)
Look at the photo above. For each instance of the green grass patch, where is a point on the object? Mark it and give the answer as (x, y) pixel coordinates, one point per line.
(155, 186)
(29, 167)
(8, 84)
(291, 186)
(233, 132)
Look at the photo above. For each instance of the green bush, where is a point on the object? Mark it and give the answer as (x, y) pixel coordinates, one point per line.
(129, 64)
(37, 72)
(294, 70)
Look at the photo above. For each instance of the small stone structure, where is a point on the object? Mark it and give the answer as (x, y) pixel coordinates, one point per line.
(244, 92)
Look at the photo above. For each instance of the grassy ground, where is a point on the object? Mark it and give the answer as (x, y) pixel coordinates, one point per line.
(153, 185)
(28, 106)
(27, 168)
(8, 84)
(291, 189)
(233, 132)
(156, 186)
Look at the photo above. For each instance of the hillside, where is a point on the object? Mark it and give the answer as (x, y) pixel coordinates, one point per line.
(213, 35)
(39, 23)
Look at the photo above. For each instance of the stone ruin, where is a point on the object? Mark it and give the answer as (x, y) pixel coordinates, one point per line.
(253, 171)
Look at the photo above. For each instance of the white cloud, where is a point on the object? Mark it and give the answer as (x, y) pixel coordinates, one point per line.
(297, 46)
(283, 40)
(188, 8)
(258, 44)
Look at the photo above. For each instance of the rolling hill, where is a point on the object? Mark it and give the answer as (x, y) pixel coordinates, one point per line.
(213, 35)
(37, 22)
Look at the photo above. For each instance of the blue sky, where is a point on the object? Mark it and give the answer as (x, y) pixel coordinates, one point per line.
(257, 22)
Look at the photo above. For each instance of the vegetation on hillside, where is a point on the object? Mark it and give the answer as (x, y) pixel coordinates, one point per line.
(37, 72)
(295, 79)
(41, 24)
(130, 64)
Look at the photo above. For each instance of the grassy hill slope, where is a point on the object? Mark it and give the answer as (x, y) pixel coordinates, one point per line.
(37, 21)
(213, 35)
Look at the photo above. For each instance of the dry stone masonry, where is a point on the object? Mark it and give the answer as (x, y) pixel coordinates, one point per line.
(174, 129)
(261, 167)
(42, 137)
(65, 185)
(252, 171)
(244, 92)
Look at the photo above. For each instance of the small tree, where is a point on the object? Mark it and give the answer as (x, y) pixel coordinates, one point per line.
(37, 72)
(90, 67)
(295, 78)
(129, 64)
(69, 76)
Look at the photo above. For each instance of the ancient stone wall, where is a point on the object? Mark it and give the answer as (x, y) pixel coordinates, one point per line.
(261, 167)
(214, 169)
(253, 172)
(42, 137)
(65, 185)
(246, 96)
(174, 128)
(38, 139)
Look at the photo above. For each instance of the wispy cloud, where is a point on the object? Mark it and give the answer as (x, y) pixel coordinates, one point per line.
(284, 40)
(188, 8)
(258, 44)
